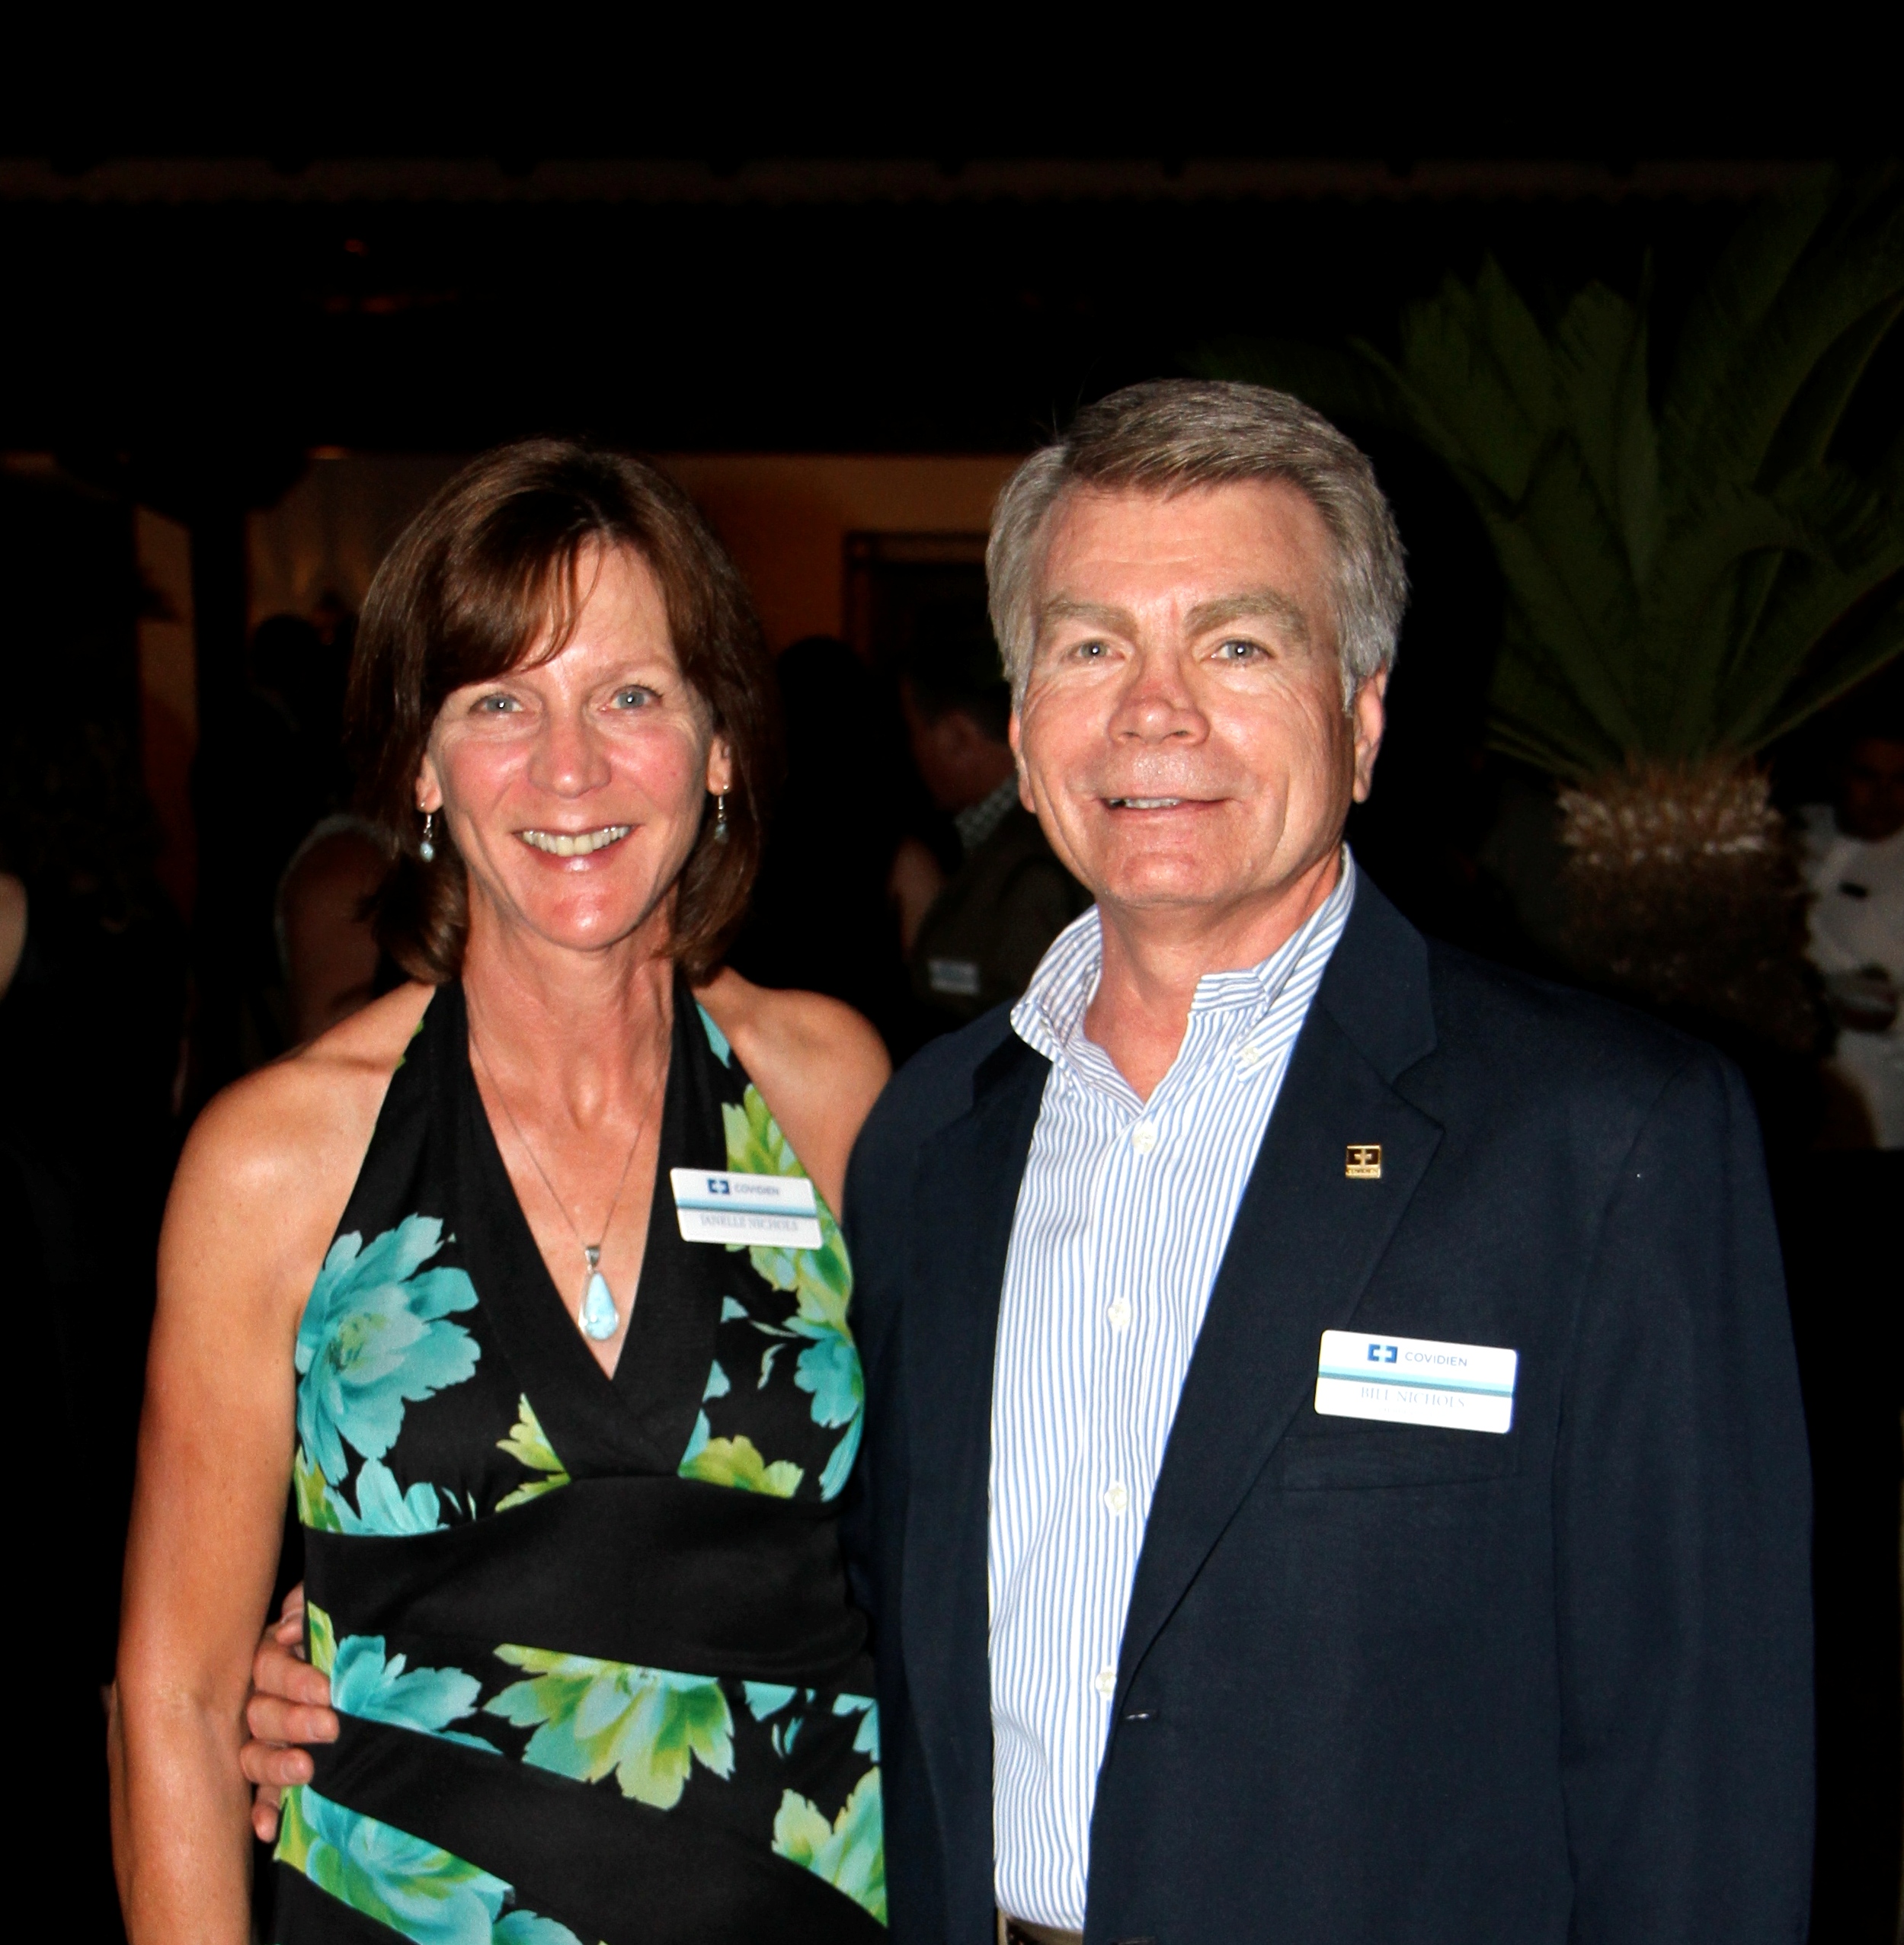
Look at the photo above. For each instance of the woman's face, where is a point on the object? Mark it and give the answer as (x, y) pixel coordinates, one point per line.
(574, 788)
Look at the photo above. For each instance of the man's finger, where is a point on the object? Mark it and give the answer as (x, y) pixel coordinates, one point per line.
(276, 1670)
(271, 1718)
(276, 1765)
(264, 1813)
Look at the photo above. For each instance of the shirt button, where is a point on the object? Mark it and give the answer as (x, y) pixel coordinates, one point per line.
(1116, 1499)
(1120, 1314)
(1105, 1682)
(1144, 1137)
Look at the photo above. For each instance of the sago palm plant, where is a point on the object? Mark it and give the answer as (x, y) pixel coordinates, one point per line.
(1688, 571)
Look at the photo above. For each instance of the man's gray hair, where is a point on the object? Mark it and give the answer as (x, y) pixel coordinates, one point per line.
(1170, 435)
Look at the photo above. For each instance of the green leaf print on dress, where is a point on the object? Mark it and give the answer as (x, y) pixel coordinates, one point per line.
(422, 1893)
(822, 1281)
(374, 1338)
(528, 1445)
(849, 1852)
(648, 1726)
(735, 1462)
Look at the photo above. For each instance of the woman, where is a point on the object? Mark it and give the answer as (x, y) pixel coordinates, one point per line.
(567, 1472)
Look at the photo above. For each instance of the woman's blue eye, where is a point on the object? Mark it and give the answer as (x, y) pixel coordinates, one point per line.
(495, 706)
(633, 697)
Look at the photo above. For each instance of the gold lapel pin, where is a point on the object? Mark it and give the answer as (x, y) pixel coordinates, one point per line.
(1364, 1162)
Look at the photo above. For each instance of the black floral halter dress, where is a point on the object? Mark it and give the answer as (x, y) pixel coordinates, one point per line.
(600, 1678)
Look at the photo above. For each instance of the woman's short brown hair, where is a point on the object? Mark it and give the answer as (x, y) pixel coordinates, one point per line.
(468, 589)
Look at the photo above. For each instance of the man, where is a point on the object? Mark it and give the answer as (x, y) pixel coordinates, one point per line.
(1170, 1648)
(984, 934)
(1855, 866)
(1503, 1632)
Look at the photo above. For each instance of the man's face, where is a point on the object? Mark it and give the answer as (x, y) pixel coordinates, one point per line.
(1870, 795)
(1182, 735)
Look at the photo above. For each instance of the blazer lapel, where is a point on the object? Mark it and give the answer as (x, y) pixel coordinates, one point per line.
(964, 1198)
(1306, 1241)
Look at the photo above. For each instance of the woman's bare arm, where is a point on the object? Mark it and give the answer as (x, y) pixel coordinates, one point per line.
(260, 1187)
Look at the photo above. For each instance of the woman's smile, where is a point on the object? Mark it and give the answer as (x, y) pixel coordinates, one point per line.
(575, 843)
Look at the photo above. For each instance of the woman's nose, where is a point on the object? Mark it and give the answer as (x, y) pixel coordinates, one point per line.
(569, 756)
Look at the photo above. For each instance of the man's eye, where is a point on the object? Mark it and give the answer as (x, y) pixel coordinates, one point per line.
(1240, 651)
(1090, 650)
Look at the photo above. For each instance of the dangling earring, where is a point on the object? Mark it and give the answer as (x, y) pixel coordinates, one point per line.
(720, 817)
(427, 850)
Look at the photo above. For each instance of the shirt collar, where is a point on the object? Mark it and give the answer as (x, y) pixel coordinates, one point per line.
(977, 822)
(1050, 1017)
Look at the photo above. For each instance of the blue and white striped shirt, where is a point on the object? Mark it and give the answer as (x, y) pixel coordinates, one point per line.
(1122, 1221)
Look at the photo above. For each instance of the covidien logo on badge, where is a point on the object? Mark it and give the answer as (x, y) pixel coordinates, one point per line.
(712, 1205)
(1416, 1381)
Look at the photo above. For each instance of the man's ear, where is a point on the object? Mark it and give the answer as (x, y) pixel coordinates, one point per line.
(1014, 736)
(1368, 717)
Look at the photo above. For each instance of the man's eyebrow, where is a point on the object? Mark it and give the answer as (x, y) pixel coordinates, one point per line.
(1256, 603)
(1062, 608)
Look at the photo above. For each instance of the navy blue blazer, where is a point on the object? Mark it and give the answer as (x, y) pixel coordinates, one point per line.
(1384, 1682)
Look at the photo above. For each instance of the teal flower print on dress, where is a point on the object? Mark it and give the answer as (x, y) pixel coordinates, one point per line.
(715, 1038)
(822, 1281)
(649, 1725)
(365, 1683)
(867, 1741)
(375, 1338)
(381, 1509)
(423, 1893)
(849, 1852)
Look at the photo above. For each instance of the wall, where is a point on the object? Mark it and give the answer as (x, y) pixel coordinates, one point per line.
(785, 517)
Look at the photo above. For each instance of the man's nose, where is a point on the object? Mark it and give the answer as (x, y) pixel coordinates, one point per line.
(569, 756)
(1158, 706)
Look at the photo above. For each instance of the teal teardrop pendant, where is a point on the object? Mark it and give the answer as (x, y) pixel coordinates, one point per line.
(600, 1319)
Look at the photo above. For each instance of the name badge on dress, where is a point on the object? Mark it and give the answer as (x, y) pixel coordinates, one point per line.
(712, 1206)
(1414, 1381)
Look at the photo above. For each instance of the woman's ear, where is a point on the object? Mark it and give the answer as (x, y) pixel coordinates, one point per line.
(429, 785)
(720, 767)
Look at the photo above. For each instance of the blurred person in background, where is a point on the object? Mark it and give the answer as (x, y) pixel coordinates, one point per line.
(848, 873)
(463, 1274)
(327, 946)
(92, 1001)
(1853, 852)
(257, 789)
(981, 938)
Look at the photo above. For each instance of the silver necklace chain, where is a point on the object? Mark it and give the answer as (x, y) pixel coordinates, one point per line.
(591, 1252)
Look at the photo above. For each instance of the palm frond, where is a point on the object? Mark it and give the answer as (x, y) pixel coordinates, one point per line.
(1683, 586)
(1731, 306)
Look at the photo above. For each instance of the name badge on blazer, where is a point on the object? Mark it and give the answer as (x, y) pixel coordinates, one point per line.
(712, 1206)
(1414, 1381)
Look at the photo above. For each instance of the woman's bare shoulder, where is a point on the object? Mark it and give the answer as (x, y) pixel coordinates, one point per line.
(819, 1066)
(286, 1142)
(803, 1036)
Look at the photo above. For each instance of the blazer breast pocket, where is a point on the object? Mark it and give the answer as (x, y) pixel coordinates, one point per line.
(1330, 1455)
